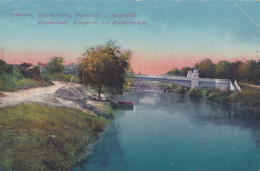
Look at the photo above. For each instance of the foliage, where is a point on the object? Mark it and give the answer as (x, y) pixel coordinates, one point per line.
(5, 68)
(104, 66)
(207, 69)
(34, 136)
(249, 71)
(195, 92)
(218, 96)
(223, 70)
(174, 71)
(62, 77)
(104, 110)
(16, 81)
(184, 71)
(250, 96)
(170, 87)
(55, 65)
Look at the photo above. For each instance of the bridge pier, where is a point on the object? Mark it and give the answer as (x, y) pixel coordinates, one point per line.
(194, 79)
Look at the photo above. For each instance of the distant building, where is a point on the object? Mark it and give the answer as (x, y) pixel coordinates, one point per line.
(42, 67)
(70, 69)
(25, 66)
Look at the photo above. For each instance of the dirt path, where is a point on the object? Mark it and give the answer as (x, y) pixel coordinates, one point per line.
(61, 94)
(35, 94)
(252, 85)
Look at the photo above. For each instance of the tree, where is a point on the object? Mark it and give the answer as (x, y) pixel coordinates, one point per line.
(207, 69)
(234, 70)
(184, 71)
(223, 70)
(5, 68)
(104, 66)
(55, 64)
(249, 71)
(174, 71)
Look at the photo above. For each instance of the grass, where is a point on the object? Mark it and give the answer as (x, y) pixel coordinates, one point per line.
(34, 136)
(62, 77)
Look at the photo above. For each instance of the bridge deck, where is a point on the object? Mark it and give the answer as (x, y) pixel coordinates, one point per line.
(191, 82)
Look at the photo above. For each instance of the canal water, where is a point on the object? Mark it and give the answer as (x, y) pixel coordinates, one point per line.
(167, 131)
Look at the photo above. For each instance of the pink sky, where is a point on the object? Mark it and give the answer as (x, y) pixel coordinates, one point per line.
(141, 62)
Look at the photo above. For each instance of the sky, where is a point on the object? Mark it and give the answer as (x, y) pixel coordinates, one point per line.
(176, 34)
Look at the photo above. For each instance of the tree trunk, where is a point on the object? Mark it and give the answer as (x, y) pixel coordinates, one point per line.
(99, 92)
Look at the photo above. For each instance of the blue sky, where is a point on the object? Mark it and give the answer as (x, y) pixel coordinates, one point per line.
(177, 34)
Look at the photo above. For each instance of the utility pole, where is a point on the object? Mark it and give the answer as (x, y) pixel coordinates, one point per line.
(2, 53)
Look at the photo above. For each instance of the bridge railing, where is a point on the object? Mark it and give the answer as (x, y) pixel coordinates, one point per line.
(167, 77)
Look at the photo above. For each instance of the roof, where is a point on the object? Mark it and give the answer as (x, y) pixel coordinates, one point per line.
(25, 65)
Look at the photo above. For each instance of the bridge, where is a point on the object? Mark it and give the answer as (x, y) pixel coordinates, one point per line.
(192, 80)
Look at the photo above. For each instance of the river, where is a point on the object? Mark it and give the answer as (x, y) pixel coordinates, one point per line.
(167, 131)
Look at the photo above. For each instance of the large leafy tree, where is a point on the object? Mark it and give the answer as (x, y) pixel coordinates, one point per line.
(104, 66)
(249, 71)
(55, 64)
(207, 69)
(223, 70)
(234, 69)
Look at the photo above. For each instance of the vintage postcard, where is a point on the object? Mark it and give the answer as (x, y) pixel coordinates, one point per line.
(130, 85)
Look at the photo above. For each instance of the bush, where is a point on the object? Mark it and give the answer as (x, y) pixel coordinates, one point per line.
(249, 97)
(218, 96)
(104, 110)
(170, 87)
(16, 81)
(205, 92)
(195, 92)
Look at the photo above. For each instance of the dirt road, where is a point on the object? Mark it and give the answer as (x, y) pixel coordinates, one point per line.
(61, 94)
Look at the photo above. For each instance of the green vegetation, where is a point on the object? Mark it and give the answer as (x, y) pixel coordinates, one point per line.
(34, 136)
(55, 71)
(62, 77)
(249, 97)
(55, 65)
(104, 110)
(11, 79)
(173, 88)
(104, 66)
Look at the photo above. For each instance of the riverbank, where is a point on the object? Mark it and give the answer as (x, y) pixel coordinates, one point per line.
(249, 97)
(35, 136)
(49, 128)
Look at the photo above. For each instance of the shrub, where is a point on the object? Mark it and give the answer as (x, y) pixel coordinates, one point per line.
(205, 92)
(195, 92)
(249, 96)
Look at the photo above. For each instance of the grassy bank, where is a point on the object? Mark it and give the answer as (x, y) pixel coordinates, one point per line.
(249, 97)
(15, 81)
(34, 136)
